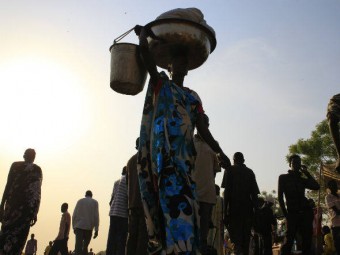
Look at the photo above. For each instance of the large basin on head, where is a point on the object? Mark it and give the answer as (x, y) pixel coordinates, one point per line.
(179, 36)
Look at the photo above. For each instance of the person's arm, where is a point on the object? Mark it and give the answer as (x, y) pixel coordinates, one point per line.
(310, 182)
(147, 58)
(5, 194)
(204, 132)
(36, 247)
(62, 228)
(75, 216)
(255, 191)
(226, 201)
(36, 197)
(96, 220)
(216, 166)
(113, 193)
(280, 196)
(226, 184)
(225, 179)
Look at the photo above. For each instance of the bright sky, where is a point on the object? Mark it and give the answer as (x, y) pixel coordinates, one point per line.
(266, 85)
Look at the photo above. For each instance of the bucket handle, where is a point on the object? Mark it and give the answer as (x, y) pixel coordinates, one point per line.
(122, 36)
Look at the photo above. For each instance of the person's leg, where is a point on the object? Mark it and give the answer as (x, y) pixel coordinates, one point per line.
(78, 249)
(121, 233)
(246, 232)
(55, 248)
(205, 214)
(306, 230)
(142, 235)
(110, 245)
(132, 237)
(87, 235)
(235, 231)
(267, 244)
(336, 238)
(290, 234)
(63, 247)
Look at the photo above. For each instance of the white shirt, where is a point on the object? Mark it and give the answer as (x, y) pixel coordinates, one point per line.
(86, 214)
(206, 164)
(119, 206)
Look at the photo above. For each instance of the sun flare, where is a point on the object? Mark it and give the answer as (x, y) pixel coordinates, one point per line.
(41, 104)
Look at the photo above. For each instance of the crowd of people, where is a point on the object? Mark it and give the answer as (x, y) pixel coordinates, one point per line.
(166, 201)
(19, 209)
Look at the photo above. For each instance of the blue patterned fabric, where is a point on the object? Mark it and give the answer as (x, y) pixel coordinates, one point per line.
(165, 161)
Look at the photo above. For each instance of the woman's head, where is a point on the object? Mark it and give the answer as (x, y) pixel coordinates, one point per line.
(325, 230)
(333, 186)
(179, 65)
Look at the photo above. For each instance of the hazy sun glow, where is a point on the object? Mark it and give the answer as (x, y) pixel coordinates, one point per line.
(40, 104)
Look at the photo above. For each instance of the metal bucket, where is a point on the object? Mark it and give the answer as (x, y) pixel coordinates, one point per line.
(128, 73)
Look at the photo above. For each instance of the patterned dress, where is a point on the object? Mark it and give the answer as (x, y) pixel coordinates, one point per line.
(22, 194)
(165, 161)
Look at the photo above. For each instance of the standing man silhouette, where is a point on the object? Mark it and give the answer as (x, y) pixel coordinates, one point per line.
(60, 243)
(240, 202)
(298, 212)
(85, 218)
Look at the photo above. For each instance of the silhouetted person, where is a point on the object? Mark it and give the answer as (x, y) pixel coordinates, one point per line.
(216, 231)
(48, 248)
(329, 248)
(60, 243)
(116, 239)
(240, 201)
(31, 246)
(206, 167)
(317, 235)
(265, 224)
(297, 210)
(20, 203)
(137, 239)
(333, 116)
(85, 218)
(166, 153)
(333, 204)
(91, 252)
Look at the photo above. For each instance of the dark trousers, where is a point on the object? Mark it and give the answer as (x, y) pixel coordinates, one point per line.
(116, 239)
(83, 238)
(301, 222)
(239, 228)
(267, 244)
(59, 246)
(137, 238)
(205, 220)
(336, 238)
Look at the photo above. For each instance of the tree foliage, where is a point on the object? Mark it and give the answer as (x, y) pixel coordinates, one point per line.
(317, 149)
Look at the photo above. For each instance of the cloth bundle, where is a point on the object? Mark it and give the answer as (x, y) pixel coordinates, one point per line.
(192, 14)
